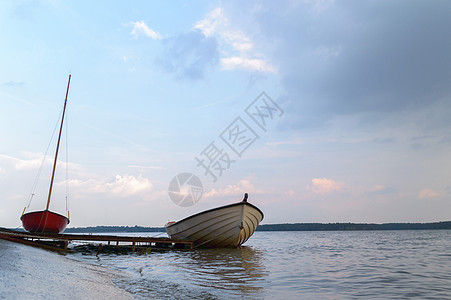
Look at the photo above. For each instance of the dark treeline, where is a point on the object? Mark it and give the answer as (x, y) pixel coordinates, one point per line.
(353, 226)
(283, 227)
(106, 229)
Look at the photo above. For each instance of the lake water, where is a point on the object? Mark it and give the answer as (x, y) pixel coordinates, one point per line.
(294, 265)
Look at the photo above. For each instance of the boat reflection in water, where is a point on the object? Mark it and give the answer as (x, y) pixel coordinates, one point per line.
(240, 271)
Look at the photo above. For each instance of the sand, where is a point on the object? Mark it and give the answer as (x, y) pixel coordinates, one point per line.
(27, 272)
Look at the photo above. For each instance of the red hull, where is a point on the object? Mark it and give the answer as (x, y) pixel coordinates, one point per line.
(44, 222)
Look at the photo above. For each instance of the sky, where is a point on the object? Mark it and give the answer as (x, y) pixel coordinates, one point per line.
(322, 111)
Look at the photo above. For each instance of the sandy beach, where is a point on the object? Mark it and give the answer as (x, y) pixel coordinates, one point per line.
(27, 272)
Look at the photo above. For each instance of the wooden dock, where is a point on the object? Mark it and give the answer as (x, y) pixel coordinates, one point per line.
(60, 242)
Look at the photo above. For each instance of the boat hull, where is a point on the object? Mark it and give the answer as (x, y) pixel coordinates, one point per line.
(44, 222)
(226, 226)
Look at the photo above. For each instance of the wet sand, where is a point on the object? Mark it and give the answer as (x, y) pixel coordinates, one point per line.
(27, 272)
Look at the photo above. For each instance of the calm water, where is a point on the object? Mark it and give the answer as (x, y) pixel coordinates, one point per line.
(296, 265)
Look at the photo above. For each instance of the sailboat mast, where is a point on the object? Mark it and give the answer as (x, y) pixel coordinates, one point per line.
(58, 146)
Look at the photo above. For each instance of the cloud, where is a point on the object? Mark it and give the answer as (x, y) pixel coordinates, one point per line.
(381, 190)
(122, 186)
(189, 55)
(338, 58)
(20, 164)
(127, 185)
(212, 22)
(324, 186)
(290, 193)
(32, 162)
(212, 40)
(427, 193)
(236, 47)
(244, 186)
(141, 28)
(255, 64)
(216, 24)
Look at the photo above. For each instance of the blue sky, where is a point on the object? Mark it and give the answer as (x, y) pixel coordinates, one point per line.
(362, 134)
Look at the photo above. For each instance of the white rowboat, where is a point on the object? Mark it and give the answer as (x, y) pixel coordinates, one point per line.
(225, 226)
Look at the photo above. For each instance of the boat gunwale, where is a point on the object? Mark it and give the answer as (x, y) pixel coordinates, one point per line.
(200, 230)
(43, 211)
(214, 209)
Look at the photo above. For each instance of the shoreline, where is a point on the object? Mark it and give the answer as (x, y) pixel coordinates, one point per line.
(29, 272)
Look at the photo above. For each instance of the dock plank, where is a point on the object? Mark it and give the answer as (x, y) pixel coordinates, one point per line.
(41, 240)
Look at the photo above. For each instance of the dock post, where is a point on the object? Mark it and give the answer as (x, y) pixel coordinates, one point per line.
(133, 249)
(98, 250)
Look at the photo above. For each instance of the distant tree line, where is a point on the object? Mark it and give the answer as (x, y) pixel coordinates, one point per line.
(282, 227)
(353, 226)
(105, 229)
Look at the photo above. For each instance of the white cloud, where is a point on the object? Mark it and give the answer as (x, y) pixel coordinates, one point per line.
(244, 186)
(249, 64)
(140, 27)
(427, 193)
(212, 22)
(20, 164)
(238, 40)
(122, 186)
(236, 46)
(324, 186)
(129, 185)
(216, 24)
(32, 162)
(125, 186)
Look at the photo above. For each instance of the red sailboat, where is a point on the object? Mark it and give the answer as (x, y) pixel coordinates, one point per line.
(46, 221)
